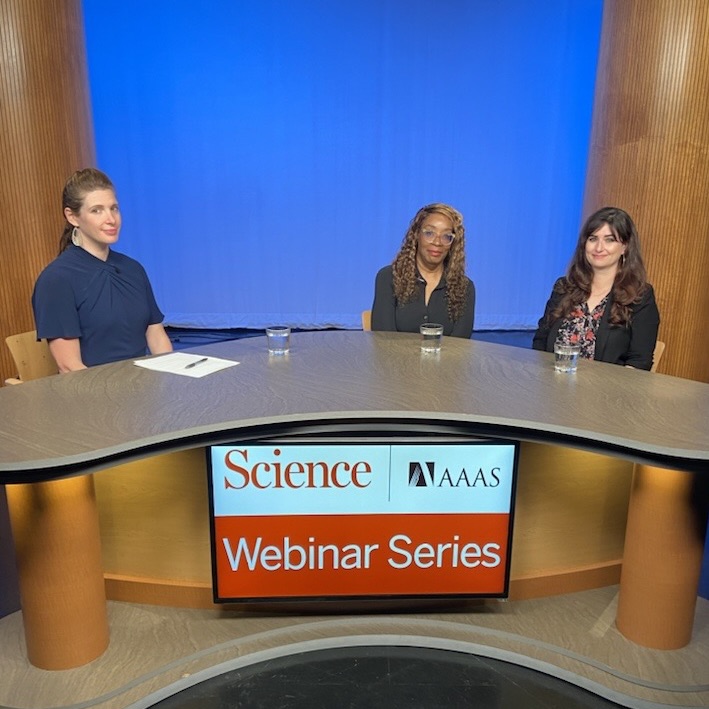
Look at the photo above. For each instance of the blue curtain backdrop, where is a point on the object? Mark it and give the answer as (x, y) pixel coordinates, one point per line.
(269, 154)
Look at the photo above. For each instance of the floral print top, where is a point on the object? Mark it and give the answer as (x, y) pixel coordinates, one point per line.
(581, 326)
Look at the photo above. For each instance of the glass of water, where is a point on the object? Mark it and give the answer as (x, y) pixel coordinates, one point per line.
(431, 336)
(566, 357)
(278, 338)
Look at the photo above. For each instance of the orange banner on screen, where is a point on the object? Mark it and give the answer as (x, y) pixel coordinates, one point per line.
(360, 555)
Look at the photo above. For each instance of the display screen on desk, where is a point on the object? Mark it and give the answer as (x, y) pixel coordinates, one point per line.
(361, 520)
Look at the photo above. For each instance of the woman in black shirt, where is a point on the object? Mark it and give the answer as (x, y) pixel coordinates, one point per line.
(426, 283)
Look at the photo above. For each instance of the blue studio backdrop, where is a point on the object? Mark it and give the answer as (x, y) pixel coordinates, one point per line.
(269, 154)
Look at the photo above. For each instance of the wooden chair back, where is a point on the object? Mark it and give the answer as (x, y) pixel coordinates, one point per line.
(657, 355)
(366, 320)
(32, 358)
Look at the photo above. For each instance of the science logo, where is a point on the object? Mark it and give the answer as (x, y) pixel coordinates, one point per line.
(272, 472)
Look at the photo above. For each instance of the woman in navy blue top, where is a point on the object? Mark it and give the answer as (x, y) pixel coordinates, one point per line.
(95, 305)
(427, 281)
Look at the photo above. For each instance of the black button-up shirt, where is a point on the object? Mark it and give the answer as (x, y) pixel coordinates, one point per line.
(388, 315)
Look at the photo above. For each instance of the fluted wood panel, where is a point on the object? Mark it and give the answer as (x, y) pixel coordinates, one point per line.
(46, 135)
(650, 155)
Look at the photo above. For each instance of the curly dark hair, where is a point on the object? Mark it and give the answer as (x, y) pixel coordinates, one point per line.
(75, 190)
(630, 280)
(406, 283)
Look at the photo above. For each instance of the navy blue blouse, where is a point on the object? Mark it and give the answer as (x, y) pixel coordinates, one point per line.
(108, 304)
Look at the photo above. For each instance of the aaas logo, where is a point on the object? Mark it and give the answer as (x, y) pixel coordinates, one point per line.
(424, 475)
(417, 476)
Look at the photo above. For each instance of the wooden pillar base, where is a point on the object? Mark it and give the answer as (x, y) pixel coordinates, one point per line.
(58, 548)
(662, 560)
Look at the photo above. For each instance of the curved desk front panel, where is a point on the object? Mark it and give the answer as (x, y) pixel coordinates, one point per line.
(570, 516)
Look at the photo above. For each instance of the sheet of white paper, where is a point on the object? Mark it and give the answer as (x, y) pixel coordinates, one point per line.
(179, 363)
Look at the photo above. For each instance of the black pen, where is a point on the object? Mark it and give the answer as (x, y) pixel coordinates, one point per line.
(194, 364)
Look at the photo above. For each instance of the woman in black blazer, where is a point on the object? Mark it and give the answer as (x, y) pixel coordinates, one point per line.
(604, 303)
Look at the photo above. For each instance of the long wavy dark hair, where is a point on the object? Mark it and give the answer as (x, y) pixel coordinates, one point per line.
(75, 190)
(406, 283)
(630, 280)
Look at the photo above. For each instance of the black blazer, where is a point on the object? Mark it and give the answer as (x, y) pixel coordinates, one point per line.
(618, 344)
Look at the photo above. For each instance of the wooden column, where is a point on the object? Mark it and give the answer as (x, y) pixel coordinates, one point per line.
(662, 560)
(58, 547)
(649, 154)
(46, 135)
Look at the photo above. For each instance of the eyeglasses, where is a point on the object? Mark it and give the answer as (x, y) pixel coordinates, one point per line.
(430, 236)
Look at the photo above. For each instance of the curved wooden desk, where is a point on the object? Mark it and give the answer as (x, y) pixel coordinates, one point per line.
(67, 425)
(335, 382)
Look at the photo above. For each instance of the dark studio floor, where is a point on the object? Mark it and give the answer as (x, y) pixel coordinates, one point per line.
(384, 678)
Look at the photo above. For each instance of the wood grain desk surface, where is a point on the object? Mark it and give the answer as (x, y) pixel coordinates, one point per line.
(342, 380)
